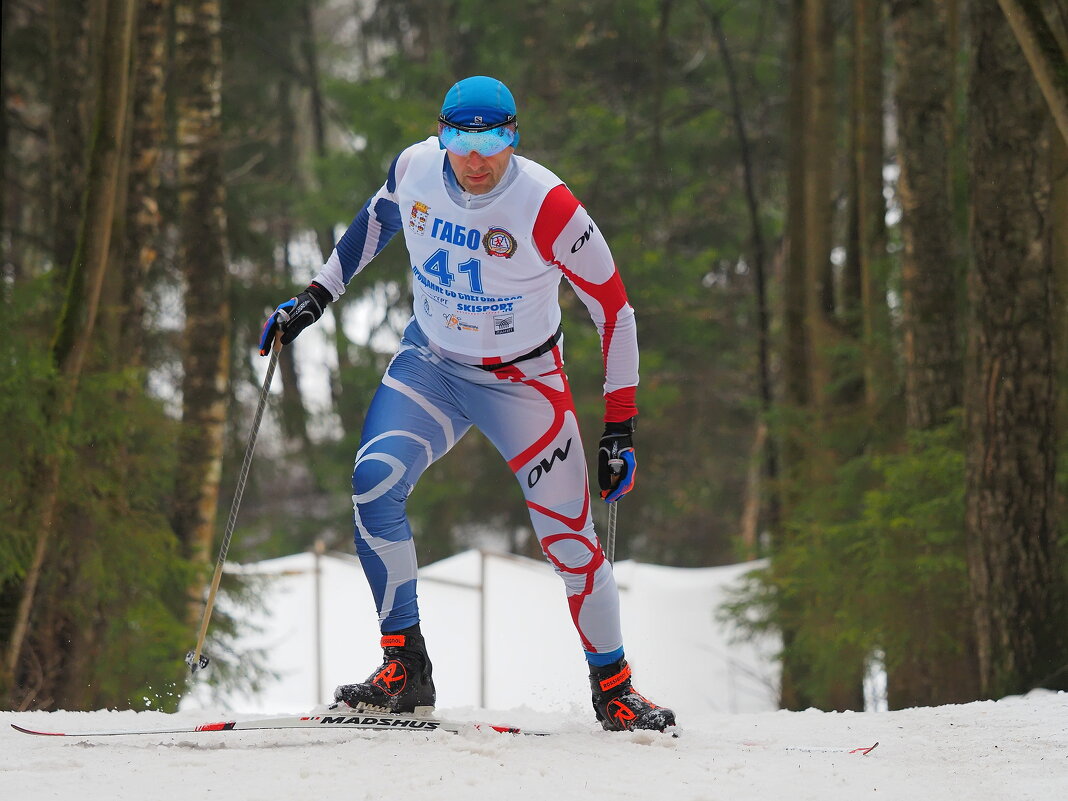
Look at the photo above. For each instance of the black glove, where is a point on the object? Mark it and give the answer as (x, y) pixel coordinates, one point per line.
(616, 464)
(294, 316)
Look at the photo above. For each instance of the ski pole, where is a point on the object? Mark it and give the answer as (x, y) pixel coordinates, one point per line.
(616, 465)
(194, 658)
(610, 551)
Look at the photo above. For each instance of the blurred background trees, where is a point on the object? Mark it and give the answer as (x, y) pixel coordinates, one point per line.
(841, 224)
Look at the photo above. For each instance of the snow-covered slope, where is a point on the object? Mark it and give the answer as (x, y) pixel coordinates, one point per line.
(1011, 750)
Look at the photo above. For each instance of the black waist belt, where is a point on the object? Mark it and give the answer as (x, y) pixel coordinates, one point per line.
(541, 350)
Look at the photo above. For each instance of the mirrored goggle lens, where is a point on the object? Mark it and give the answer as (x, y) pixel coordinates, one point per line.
(485, 143)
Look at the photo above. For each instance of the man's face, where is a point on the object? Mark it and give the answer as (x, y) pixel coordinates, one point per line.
(479, 174)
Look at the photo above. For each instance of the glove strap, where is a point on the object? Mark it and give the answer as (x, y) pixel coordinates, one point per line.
(628, 426)
(320, 293)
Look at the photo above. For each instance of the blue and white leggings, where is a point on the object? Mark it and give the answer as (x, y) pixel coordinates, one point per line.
(423, 406)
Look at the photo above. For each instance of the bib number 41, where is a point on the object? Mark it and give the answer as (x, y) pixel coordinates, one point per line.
(438, 266)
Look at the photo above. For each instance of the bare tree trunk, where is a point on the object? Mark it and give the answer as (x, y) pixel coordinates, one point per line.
(205, 264)
(805, 322)
(852, 281)
(795, 336)
(1059, 211)
(1015, 566)
(818, 139)
(928, 672)
(69, 34)
(924, 67)
(142, 202)
(842, 690)
(74, 329)
(754, 490)
(869, 205)
(5, 140)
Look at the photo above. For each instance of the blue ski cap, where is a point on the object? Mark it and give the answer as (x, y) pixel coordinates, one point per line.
(478, 114)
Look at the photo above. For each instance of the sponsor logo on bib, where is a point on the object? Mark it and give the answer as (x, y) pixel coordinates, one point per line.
(419, 217)
(452, 321)
(503, 323)
(499, 242)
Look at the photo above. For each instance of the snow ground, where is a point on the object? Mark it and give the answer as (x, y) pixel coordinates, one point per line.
(1015, 749)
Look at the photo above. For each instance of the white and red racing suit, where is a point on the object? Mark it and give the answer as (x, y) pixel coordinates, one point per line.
(484, 348)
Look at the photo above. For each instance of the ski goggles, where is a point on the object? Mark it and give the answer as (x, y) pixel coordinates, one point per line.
(462, 140)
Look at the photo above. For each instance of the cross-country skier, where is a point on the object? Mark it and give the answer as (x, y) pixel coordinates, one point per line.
(490, 234)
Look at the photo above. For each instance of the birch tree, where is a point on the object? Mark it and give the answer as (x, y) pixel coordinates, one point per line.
(205, 267)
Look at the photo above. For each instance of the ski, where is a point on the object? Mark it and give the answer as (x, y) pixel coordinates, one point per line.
(365, 721)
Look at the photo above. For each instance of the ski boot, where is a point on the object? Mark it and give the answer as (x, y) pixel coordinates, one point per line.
(403, 683)
(619, 707)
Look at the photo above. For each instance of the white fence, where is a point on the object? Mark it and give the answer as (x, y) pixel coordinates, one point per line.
(499, 634)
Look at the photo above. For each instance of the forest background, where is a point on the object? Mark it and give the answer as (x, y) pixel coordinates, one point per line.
(842, 225)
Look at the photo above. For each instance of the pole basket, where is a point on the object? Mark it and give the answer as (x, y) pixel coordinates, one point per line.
(194, 663)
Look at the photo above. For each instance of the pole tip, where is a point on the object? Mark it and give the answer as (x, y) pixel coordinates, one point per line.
(194, 663)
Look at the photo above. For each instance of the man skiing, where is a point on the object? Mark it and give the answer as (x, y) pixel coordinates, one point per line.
(490, 234)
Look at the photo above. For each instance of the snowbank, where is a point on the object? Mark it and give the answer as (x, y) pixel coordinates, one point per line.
(500, 636)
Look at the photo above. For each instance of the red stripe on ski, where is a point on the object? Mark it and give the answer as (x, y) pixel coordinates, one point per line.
(40, 733)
